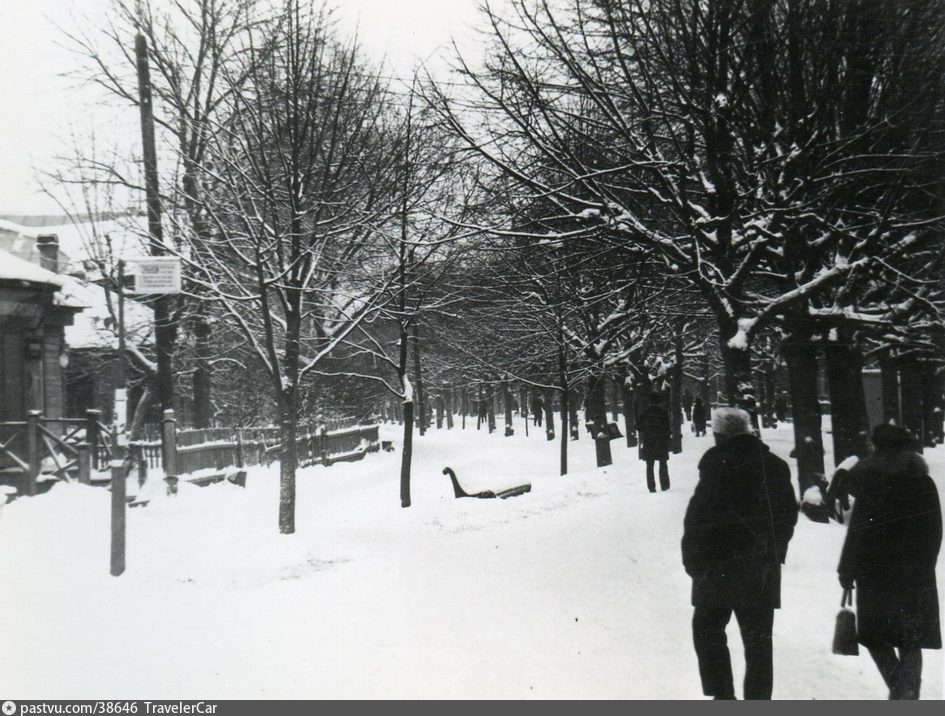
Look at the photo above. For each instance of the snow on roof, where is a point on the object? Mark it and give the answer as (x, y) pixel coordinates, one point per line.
(82, 241)
(13, 268)
(95, 327)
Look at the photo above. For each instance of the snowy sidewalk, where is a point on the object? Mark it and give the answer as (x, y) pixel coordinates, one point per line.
(575, 590)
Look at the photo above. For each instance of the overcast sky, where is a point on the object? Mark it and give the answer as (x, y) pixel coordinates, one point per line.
(39, 108)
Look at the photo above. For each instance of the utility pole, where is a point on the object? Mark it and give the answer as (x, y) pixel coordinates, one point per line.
(165, 333)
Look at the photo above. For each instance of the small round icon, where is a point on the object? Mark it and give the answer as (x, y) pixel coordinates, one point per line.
(9, 708)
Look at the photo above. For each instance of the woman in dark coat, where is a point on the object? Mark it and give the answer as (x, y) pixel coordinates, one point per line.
(890, 552)
(655, 430)
(698, 417)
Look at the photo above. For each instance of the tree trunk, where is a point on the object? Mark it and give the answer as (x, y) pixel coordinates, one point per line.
(931, 404)
(596, 416)
(675, 406)
(480, 407)
(523, 406)
(614, 394)
(739, 386)
(573, 425)
(770, 391)
(549, 398)
(912, 386)
(420, 405)
(449, 408)
(202, 372)
(801, 361)
(565, 401)
(438, 402)
(889, 379)
(288, 462)
(407, 455)
(629, 412)
(848, 416)
(704, 386)
(507, 399)
(490, 411)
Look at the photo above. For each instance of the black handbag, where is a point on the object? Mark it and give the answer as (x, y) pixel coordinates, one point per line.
(844, 634)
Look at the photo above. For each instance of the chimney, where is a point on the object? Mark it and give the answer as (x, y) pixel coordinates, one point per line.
(48, 247)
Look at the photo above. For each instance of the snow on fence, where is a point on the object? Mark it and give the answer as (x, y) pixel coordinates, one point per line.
(211, 452)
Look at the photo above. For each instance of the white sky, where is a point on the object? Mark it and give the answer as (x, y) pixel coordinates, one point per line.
(39, 108)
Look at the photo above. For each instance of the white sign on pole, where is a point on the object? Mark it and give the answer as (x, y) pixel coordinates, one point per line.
(156, 274)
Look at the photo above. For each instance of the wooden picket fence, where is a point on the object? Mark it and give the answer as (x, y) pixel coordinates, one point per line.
(38, 451)
(41, 449)
(208, 454)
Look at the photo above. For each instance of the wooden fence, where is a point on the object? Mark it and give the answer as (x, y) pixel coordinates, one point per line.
(206, 454)
(37, 451)
(55, 447)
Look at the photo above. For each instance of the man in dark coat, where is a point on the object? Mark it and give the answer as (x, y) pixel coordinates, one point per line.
(654, 428)
(889, 555)
(538, 410)
(735, 539)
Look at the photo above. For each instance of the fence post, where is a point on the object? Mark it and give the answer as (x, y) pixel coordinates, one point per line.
(324, 445)
(169, 450)
(84, 459)
(118, 505)
(142, 465)
(91, 433)
(239, 448)
(33, 453)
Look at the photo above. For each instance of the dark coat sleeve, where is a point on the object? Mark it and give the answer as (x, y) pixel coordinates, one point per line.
(851, 557)
(783, 506)
(697, 528)
(929, 543)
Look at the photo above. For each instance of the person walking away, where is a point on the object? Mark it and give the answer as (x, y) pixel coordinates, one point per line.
(538, 410)
(687, 404)
(889, 556)
(735, 539)
(654, 429)
(698, 417)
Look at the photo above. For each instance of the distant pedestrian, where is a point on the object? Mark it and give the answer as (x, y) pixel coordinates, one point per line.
(654, 428)
(889, 555)
(735, 539)
(687, 404)
(538, 410)
(780, 407)
(698, 417)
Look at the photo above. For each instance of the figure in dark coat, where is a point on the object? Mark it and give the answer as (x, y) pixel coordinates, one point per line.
(890, 552)
(735, 539)
(698, 417)
(655, 430)
(538, 410)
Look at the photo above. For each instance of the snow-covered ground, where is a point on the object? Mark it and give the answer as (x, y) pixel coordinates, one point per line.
(575, 590)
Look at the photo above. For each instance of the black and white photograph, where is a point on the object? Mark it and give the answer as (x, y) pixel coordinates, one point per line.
(553, 350)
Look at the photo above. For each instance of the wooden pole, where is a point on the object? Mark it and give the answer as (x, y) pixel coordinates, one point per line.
(85, 464)
(169, 450)
(34, 457)
(164, 334)
(91, 434)
(118, 508)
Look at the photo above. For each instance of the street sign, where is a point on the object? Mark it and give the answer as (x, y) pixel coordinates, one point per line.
(156, 274)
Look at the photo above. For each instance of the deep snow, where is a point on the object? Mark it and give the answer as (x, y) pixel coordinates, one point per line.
(575, 590)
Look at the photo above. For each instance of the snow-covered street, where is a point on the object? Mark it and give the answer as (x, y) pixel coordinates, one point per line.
(573, 591)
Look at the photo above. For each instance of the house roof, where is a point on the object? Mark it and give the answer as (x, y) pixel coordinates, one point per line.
(13, 268)
(95, 326)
